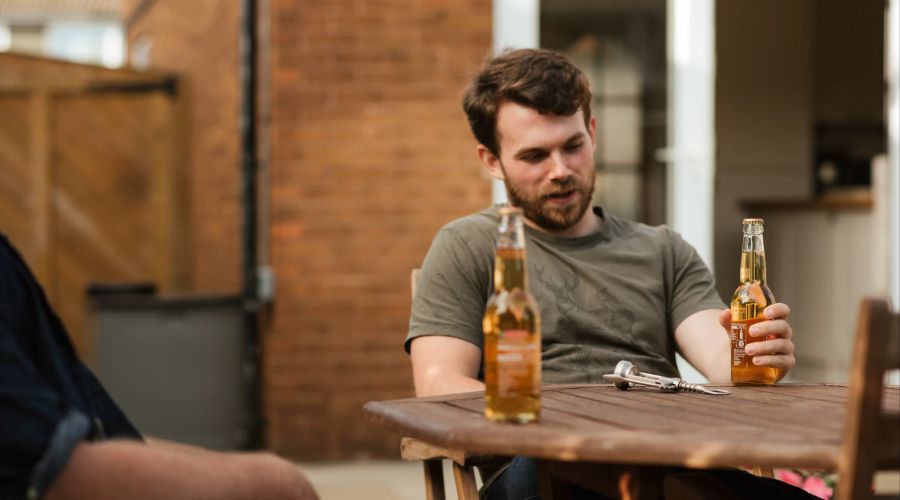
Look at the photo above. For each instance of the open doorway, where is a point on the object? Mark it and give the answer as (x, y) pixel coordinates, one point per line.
(621, 46)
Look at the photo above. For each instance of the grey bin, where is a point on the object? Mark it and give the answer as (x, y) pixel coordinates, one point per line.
(175, 365)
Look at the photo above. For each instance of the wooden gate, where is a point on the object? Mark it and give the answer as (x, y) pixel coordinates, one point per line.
(91, 187)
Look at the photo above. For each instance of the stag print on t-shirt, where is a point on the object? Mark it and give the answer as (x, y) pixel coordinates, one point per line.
(589, 317)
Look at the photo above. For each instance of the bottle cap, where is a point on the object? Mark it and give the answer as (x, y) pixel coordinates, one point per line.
(752, 226)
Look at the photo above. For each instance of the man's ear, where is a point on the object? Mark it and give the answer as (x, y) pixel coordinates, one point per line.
(592, 129)
(490, 161)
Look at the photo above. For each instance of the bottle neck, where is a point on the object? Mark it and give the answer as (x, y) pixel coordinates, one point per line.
(509, 269)
(753, 259)
(509, 263)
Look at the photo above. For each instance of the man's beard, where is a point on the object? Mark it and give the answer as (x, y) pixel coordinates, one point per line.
(543, 212)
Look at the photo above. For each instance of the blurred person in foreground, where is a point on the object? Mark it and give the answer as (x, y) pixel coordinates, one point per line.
(608, 288)
(63, 437)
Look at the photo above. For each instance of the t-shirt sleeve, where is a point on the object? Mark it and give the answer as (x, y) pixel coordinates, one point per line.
(452, 290)
(692, 287)
(37, 434)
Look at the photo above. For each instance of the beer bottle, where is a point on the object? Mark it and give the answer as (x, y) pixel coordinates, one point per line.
(747, 304)
(512, 331)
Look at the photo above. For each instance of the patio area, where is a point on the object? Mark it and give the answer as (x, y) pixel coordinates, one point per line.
(377, 479)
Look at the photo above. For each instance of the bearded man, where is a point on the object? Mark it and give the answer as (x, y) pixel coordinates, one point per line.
(609, 288)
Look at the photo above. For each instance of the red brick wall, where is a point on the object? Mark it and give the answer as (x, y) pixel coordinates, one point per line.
(199, 42)
(368, 153)
(370, 156)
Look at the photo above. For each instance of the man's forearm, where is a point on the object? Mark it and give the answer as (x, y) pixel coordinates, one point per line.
(128, 469)
(704, 343)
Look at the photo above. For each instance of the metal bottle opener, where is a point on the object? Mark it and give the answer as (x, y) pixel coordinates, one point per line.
(626, 375)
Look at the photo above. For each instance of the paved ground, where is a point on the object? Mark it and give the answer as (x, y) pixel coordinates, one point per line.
(377, 480)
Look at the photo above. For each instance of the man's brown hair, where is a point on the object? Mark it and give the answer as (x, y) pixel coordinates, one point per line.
(539, 79)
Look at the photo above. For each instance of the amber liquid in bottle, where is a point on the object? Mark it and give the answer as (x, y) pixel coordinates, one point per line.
(512, 332)
(750, 298)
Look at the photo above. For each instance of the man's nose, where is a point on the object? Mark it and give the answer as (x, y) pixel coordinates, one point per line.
(559, 168)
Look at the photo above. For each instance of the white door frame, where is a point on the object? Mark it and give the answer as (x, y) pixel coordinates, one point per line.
(516, 25)
(691, 122)
(892, 61)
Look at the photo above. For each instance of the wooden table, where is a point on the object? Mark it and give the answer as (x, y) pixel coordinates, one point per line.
(787, 425)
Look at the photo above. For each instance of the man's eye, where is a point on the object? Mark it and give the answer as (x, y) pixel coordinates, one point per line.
(574, 147)
(533, 157)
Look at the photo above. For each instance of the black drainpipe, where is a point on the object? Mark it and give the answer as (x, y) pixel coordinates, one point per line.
(249, 236)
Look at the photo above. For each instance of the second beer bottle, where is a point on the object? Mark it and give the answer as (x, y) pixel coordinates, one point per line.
(750, 298)
(512, 331)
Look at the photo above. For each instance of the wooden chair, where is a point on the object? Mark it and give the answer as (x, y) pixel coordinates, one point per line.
(872, 431)
(432, 457)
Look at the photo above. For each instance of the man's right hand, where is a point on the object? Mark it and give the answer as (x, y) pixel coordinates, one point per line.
(445, 365)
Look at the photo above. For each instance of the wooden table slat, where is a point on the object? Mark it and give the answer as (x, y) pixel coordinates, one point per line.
(707, 410)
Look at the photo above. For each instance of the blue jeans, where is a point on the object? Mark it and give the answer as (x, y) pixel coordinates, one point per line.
(520, 482)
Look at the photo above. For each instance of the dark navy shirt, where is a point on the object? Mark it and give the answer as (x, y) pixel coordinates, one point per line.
(49, 400)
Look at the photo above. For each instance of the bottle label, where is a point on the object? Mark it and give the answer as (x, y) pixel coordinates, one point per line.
(515, 360)
(739, 337)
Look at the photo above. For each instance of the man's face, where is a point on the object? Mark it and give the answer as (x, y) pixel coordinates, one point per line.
(547, 164)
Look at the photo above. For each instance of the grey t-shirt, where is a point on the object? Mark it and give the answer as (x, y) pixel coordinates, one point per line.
(616, 294)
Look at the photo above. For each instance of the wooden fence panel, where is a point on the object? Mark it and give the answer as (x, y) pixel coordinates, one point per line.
(18, 197)
(90, 192)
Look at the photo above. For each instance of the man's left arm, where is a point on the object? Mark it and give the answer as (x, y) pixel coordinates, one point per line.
(702, 339)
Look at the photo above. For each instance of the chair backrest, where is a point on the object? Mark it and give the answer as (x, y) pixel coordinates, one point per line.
(872, 435)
